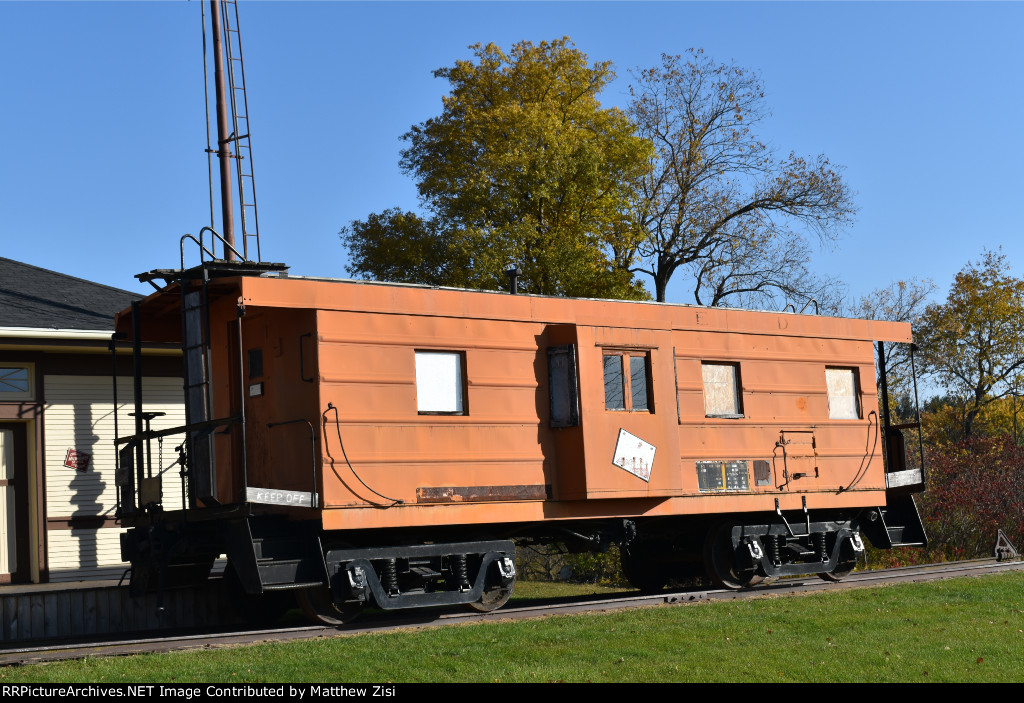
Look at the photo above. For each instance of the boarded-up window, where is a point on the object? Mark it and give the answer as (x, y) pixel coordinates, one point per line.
(722, 390)
(440, 382)
(842, 394)
(627, 381)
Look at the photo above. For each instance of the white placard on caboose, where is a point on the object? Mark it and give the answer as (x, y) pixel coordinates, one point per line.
(634, 455)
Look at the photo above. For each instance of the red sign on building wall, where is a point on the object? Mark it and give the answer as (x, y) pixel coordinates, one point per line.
(78, 460)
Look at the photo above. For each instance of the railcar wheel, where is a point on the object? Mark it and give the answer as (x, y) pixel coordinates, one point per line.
(492, 599)
(720, 560)
(841, 571)
(319, 606)
(847, 562)
(643, 570)
(495, 595)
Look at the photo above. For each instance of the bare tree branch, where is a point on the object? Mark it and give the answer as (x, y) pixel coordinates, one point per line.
(718, 202)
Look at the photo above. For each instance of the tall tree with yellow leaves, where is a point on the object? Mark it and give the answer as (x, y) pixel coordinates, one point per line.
(523, 166)
(974, 342)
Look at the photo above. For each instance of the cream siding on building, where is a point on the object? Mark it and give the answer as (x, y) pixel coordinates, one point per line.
(79, 415)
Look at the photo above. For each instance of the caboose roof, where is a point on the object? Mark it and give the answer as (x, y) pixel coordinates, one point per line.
(365, 296)
(411, 299)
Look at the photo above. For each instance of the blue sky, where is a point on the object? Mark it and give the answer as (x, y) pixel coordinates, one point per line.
(102, 167)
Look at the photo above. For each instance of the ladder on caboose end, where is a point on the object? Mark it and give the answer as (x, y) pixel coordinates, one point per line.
(195, 348)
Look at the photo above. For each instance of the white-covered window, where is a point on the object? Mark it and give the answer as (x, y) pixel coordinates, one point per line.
(722, 390)
(16, 382)
(440, 382)
(842, 394)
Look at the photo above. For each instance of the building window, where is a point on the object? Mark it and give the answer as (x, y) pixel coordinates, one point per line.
(842, 394)
(722, 397)
(16, 383)
(440, 383)
(627, 378)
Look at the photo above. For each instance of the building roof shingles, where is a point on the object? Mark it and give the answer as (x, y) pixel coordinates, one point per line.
(39, 298)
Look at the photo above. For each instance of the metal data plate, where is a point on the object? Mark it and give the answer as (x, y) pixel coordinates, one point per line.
(275, 496)
(709, 476)
(723, 476)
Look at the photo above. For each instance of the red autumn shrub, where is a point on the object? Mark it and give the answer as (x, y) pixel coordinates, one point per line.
(975, 488)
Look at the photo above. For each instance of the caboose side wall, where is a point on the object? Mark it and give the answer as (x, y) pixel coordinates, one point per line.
(498, 460)
(367, 368)
(785, 420)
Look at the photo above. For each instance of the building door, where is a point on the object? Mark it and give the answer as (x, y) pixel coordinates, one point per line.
(14, 523)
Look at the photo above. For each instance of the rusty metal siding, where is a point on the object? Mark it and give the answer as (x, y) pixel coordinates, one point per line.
(785, 411)
(368, 370)
(362, 358)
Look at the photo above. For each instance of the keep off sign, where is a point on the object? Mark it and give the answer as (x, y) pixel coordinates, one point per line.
(78, 460)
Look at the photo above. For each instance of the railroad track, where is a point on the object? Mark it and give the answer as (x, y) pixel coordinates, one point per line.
(516, 610)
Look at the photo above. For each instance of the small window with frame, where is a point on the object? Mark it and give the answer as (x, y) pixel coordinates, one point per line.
(722, 396)
(843, 401)
(627, 381)
(441, 383)
(16, 382)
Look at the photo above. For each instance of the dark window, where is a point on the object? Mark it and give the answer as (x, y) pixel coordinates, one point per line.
(15, 380)
(614, 395)
(627, 381)
(255, 363)
(562, 386)
(638, 381)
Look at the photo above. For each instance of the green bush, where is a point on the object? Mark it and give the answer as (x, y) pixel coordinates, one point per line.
(554, 562)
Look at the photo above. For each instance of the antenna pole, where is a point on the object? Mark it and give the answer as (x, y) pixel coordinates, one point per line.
(223, 136)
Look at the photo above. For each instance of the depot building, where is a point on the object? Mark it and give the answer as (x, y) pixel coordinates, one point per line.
(58, 500)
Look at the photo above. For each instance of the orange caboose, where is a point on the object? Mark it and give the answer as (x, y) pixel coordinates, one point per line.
(359, 442)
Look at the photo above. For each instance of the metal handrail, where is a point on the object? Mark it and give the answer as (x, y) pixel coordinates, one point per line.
(792, 306)
(203, 251)
(180, 429)
(808, 304)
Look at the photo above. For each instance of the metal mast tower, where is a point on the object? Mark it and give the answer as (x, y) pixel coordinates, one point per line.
(232, 108)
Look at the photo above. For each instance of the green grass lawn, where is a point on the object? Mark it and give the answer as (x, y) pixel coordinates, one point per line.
(539, 590)
(967, 629)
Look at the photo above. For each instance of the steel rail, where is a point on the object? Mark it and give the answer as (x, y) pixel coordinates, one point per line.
(540, 608)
